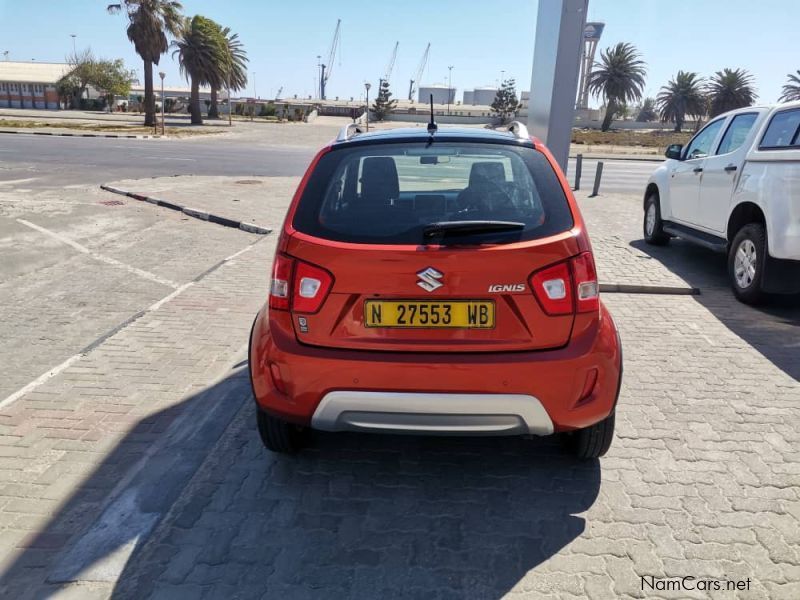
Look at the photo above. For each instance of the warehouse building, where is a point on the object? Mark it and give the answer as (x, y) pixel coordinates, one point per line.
(442, 94)
(30, 84)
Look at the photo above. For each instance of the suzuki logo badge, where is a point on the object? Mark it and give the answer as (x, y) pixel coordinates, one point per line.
(429, 279)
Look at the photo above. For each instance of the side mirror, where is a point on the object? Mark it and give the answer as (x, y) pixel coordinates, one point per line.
(674, 151)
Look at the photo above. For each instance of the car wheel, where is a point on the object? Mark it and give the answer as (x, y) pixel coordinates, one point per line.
(653, 226)
(746, 258)
(279, 435)
(593, 441)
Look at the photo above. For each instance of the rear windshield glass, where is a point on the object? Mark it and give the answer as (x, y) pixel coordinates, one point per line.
(393, 193)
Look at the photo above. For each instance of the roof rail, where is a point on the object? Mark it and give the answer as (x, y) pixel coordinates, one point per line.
(519, 130)
(348, 131)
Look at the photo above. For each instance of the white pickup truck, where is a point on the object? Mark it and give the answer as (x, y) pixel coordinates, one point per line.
(735, 188)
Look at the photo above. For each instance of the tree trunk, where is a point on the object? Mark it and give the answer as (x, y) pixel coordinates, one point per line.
(194, 103)
(213, 110)
(149, 97)
(678, 124)
(610, 110)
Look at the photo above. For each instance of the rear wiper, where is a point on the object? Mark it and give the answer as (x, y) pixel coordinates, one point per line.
(468, 227)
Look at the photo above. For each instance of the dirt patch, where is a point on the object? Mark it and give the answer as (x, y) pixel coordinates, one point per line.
(645, 139)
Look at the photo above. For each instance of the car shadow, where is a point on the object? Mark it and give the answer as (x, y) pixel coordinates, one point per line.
(773, 328)
(352, 516)
(363, 516)
(108, 517)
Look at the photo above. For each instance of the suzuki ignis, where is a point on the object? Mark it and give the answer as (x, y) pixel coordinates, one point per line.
(435, 282)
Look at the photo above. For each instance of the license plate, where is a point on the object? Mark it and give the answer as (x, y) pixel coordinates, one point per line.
(456, 314)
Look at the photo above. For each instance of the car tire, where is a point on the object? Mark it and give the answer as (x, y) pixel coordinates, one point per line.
(747, 256)
(593, 441)
(652, 225)
(279, 435)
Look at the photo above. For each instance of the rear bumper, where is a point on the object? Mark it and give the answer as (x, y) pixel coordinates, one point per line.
(500, 393)
(410, 412)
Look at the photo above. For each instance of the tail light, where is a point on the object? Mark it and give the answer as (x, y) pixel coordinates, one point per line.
(298, 286)
(585, 277)
(280, 285)
(567, 287)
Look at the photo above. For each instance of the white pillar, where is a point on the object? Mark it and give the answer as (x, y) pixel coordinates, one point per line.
(554, 81)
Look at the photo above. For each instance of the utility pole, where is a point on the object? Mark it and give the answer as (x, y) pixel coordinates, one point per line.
(366, 113)
(230, 103)
(449, 86)
(162, 75)
(318, 78)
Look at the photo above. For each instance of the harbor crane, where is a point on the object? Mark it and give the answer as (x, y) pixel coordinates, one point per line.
(390, 66)
(335, 46)
(418, 75)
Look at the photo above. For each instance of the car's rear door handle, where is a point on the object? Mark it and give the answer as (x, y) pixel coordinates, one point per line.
(730, 168)
(697, 170)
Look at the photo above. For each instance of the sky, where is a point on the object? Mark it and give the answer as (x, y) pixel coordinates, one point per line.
(478, 39)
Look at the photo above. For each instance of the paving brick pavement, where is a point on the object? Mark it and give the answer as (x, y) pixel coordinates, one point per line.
(702, 479)
(66, 445)
(57, 300)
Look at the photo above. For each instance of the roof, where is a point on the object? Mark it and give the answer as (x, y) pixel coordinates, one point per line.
(443, 134)
(32, 72)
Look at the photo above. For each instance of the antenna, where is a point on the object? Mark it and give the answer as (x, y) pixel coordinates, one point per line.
(432, 127)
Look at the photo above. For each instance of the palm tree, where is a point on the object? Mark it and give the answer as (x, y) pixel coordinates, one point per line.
(682, 96)
(729, 89)
(618, 78)
(791, 91)
(149, 23)
(202, 55)
(235, 70)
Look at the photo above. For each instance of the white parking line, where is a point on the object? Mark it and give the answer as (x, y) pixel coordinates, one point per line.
(100, 257)
(10, 181)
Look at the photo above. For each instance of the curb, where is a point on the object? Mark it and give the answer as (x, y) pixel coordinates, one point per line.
(625, 288)
(192, 212)
(91, 135)
(620, 157)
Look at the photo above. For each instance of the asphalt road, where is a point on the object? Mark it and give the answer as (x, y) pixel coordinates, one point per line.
(41, 162)
(53, 162)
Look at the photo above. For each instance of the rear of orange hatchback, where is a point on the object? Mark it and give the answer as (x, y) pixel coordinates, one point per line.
(435, 283)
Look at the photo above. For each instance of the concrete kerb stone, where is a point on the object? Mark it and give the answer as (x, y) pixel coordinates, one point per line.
(666, 290)
(91, 135)
(192, 212)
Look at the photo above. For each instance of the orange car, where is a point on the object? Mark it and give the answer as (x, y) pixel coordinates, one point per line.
(435, 282)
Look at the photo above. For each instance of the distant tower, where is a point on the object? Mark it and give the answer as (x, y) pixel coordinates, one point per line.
(591, 35)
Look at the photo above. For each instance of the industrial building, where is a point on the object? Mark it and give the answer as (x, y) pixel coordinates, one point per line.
(442, 94)
(480, 96)
(30, 84)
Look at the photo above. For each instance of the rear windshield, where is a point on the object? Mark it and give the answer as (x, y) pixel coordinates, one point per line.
(390, 193)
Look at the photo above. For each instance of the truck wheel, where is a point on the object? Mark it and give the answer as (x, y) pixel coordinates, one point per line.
(746, 258)
(279, 435)
(653, 226)
(593, 441)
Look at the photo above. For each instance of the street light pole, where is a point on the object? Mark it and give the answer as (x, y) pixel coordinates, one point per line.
(74, 51)
(255, 93)
(162, 75)
(366, 112)
(230, 104)
(449, 86)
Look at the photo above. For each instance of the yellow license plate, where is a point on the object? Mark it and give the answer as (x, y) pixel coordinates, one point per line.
(460, 314)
